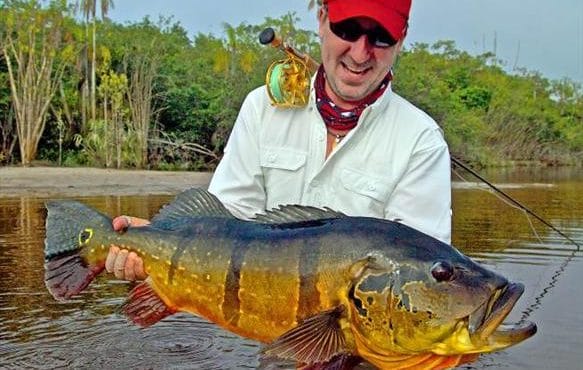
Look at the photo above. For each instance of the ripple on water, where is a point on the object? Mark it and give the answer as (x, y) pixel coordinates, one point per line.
(86, 341)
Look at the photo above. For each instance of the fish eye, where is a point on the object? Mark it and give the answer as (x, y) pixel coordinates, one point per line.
(442, 271)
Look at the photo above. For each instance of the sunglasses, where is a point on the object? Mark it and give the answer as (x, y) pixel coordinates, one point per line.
(350, 30)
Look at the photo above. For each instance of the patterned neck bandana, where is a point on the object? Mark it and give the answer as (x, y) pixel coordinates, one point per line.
(337, 118)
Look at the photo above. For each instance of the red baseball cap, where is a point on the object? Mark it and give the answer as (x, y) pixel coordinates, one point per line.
(393, 15)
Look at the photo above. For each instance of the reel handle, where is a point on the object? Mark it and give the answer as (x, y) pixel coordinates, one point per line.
(269, 37)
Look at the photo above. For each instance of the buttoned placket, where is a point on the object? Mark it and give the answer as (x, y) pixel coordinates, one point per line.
(316, 191)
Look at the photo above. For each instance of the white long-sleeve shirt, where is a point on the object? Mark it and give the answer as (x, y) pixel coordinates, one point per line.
(394, 164)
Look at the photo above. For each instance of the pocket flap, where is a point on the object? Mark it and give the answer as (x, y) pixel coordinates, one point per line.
(282, 158)
(365, 184)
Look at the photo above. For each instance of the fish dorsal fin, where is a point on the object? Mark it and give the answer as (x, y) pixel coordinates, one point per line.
(191, 203)
(296, 213)
(316, 340)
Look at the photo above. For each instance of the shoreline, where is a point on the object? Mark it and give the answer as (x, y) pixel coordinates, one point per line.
(87, 181)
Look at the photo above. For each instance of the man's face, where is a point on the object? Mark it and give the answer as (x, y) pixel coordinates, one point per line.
(353, 69)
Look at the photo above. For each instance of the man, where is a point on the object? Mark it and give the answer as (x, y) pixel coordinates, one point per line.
(357, 147)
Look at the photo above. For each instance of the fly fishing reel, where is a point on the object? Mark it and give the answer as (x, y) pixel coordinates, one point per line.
(287, 80)
(288, 83)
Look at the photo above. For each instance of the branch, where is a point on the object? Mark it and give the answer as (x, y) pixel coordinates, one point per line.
(194, 147)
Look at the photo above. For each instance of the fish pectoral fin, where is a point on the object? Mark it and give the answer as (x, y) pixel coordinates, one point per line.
(316, 341)
(144, 306)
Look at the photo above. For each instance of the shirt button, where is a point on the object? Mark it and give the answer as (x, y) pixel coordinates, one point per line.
(271, 158)
(371, 187)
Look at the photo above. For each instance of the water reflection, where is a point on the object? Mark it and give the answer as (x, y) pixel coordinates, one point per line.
(87, 332)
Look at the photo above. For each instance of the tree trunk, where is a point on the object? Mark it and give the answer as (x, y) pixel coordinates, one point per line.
(142, 70)
(93, 82)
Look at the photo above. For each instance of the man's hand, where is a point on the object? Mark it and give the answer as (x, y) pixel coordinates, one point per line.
(125, 265)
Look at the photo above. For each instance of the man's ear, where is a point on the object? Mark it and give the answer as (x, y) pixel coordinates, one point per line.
(399, 45)
(322, 15)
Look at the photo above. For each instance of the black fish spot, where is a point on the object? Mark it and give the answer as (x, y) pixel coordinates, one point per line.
(357, 303)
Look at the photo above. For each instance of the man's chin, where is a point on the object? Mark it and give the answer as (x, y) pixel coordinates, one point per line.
(351, 96)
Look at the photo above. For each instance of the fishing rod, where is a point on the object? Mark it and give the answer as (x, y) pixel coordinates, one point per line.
(288, 84)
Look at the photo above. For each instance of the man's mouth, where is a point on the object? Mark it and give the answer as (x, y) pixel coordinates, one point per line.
(356, 70)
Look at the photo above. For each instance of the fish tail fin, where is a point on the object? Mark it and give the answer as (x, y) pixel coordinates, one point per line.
(70, 265)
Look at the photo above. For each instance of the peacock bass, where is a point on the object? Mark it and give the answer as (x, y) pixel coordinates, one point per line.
(318, 287)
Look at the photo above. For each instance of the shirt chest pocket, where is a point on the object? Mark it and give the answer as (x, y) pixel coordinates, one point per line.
(367, 185)
(284, 174)
(282, 159)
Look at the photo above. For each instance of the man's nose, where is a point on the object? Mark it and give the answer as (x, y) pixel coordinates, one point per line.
(361, 50)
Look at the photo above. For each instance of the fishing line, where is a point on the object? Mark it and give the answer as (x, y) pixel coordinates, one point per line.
(508, 203)
(554, 279)
(515, 204)
(513, 201)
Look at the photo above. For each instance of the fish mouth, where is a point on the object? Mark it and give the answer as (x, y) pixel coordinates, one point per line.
(486, 323)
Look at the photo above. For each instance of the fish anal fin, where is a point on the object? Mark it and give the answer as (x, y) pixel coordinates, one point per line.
(144, 306)
(68, 274)
(344, 361)
(317, 340)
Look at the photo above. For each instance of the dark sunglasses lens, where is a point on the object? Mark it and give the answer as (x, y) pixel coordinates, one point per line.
(350, 30)
(381, 38)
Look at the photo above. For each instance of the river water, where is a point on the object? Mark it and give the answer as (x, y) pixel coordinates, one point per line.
(87, 332)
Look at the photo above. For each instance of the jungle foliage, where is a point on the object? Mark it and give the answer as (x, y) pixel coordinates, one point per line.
(79, 89)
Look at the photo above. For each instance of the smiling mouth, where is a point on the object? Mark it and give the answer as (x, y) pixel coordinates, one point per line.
(486, 322)
(358, 71)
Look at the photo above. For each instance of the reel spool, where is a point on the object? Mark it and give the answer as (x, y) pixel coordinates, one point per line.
(288, 83)
(287, 80)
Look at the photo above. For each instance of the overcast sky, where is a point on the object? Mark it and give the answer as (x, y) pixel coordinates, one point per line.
(539, 35)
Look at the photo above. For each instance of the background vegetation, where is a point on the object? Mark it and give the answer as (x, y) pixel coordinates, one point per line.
(78, 89)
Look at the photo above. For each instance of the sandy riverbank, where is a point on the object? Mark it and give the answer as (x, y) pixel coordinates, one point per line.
(50, 181)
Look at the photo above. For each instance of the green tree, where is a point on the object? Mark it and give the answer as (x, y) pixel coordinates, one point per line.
(88, 8)
(35, 60)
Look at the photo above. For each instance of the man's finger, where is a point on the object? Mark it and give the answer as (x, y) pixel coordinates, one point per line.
(139, 269)
(110, 260)
(119, 265)
(130, 267)
(121, 223)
